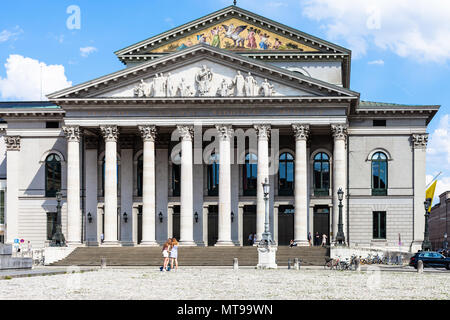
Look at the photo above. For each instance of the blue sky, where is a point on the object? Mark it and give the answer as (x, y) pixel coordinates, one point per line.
(401, 52)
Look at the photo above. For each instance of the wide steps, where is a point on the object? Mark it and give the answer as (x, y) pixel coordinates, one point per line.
(189, 256)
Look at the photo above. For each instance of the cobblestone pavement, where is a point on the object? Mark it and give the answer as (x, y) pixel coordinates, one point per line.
(198, 283)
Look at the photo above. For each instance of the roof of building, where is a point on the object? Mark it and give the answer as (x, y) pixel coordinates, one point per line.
(28, 105)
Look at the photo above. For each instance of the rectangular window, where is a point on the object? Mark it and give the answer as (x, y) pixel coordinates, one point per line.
(51, 224)
(52, 124)
(379, 123)
(379, 225)
(2, 206)
(2, 238)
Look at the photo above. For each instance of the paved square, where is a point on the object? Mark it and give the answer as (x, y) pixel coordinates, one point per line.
(197, 283)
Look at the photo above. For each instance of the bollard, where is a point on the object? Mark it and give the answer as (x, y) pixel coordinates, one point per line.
(235, 264)
(296, 264)
(289, 264)
(103, 263)
(420, 266)
(357, 265)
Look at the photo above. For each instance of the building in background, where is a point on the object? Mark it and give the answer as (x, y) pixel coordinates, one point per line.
(439, 222)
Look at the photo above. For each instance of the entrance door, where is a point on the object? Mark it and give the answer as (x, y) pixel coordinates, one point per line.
(139, 225)
(249, 223)
(213, 225)
(176, 223)
(322, 222)
(285, 225)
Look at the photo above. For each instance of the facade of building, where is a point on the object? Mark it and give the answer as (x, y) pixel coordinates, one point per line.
(179, 142)
(439, 222)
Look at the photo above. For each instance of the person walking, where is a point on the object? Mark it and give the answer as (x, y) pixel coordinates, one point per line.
(174, 254)
(309, 239)
(317, 239)
(165, 253)
(324, 240)
(250, 239)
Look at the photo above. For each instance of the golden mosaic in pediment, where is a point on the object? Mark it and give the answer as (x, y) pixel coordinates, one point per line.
(236, 35)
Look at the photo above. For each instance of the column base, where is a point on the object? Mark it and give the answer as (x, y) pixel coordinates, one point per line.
(113, 243)
(302, 243)
(187, 243)
(149, 244)
(224, 243)
(74, 244)
(128, 244)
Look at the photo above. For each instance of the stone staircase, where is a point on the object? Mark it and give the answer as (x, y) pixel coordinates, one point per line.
(189, 256)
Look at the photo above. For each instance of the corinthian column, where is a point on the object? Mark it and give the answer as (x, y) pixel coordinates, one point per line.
(111, 135)
(419, 144)
(148, 192)
(12, 187)
(263, 131)
(73, 185)
(187, 186)
(301, 132)
(225, 135)
(339, 175)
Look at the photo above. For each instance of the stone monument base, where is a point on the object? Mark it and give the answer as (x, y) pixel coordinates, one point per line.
(267, 257)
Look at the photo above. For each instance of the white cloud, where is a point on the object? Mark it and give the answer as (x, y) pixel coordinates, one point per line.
(438, 150)
(23, 79)
(377, 62)
(410, 28)
(6, 35)
(442, 185)
(86, 51)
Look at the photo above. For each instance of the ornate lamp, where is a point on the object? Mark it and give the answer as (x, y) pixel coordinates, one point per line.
(58, 239)
(340, 237)
(89, 216)
(232, 216)
(266, 238)
(160, 216)
(125, 217)
(426, 244)
(196, 216)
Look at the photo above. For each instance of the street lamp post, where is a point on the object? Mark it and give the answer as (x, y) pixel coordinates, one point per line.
(58, 239)
(340, 237)
(426, 244)
(266, 238)
(445, 244)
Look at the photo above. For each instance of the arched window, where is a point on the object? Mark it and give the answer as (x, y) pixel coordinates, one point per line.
(250, 174)
(52, 175)
(140, 175)
(321, 169)
(176, 175)
(286, 175)
(379, 174)
(213, 175)
(103, 174)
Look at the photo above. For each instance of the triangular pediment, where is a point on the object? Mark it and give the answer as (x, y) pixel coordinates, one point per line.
(202, 71)
(234, 29)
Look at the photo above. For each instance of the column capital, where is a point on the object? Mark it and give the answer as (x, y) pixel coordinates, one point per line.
(73, 133)
(110, 133)
(225, 131)
(148, 132)
(419, 140)
(263, 130)
(339, 131)
(301, 131)
(186, 131)
(12, 143)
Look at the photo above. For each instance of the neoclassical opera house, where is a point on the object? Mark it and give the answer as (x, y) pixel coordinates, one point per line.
(178, 143)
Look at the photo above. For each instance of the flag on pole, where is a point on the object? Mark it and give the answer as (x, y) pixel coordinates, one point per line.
(430, 193)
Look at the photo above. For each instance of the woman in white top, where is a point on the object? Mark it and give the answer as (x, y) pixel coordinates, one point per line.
(174, 254)
(165, 253)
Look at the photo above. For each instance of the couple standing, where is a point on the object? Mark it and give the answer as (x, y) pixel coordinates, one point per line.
(170, 252)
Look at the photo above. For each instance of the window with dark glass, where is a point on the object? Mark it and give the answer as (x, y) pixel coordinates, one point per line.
(51, 224)
(140, 175)
(379, 225)
(321, 167)
(379, 123)
(52, 175)
(176, 175)
(250, 174)
(52, 124)
(286, 175)
(213, 175)
(379, 174)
